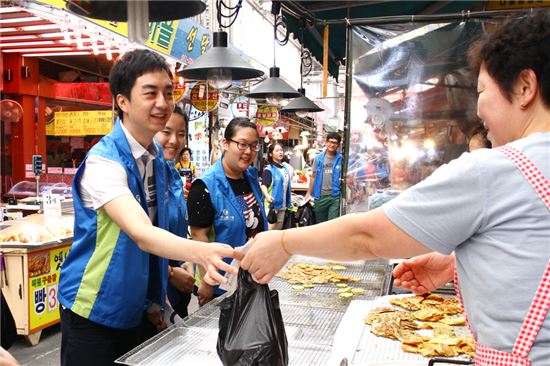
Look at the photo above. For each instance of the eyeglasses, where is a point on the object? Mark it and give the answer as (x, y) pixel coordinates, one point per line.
(243, 146)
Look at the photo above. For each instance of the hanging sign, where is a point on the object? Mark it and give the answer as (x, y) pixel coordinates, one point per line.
(179, 91)
(244, 107)
(204, 97)
(267, 115)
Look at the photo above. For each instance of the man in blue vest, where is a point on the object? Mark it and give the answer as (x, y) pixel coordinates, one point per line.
(324, 185)
(115, 269)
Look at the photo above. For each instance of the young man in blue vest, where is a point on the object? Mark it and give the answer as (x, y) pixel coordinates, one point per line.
(115, 268)
(324, 185)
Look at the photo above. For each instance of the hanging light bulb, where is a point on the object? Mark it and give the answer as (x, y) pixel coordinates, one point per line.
(219, 78)
(266, 140)
(274, 99)
(302, 114)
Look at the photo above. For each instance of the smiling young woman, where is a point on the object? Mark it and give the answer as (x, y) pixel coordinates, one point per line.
(227, 196)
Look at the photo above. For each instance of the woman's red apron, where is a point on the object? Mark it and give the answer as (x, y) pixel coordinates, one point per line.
(541, 302)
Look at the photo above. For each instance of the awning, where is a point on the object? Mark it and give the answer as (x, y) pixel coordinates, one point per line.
(318, 13)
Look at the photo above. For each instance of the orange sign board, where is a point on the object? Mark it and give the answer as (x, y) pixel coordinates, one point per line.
(204, 97)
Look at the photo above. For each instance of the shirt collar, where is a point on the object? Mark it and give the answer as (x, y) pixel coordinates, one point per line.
(135, 147)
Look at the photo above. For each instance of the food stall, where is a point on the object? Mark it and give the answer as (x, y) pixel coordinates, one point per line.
(32, 251)
(323, 324)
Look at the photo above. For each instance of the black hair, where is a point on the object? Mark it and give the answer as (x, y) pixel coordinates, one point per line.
(270, 149)
(235, 123)
(516, 45)
(334, 136)
(131, 66)
(186, 149)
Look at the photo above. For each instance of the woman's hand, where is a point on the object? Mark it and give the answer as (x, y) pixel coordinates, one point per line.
(206, 292)
(6, 359)
(182, 279)
(211, 258)
(269, 198)
(424, 273)
(265, 256)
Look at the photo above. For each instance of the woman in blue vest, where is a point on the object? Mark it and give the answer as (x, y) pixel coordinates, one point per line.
(276, 184)
(224, 203)
(181, 279)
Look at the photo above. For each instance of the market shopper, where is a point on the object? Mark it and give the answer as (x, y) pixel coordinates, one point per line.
(225, 201)
(275, 186)
(186, 168)
(478, 139)
(121, 201)
(324, 185)
(180, 274)
(483, 206)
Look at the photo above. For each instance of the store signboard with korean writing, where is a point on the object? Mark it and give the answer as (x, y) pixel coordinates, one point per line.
(244, 107)
(204, 97)
(80, 123)
(267, 115)
(44, 267)
(182, 39)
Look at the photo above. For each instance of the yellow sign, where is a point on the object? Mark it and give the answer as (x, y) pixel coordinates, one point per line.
(518, 4)
(44, 268)
(80, 123)
(179, 91)
(267, 115)
(204, 97)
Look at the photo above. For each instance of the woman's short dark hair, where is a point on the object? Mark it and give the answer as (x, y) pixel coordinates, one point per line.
(178, 110)
(131, 66)
(270, 149)
(517, 45)
(188, 150)
(235, 123)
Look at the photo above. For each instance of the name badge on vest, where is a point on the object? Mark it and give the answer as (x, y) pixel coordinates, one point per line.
(226, 217)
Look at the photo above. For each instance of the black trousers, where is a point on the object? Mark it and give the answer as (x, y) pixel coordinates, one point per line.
(84, 342)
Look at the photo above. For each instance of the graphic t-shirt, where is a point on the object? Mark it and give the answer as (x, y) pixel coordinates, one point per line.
(201, 212)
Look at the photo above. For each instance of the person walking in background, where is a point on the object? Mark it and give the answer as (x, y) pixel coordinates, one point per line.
(180, 274)
(324, 185)
(491, 208)
(186, 169)
(120, 195)
(225, 202)
(275, 186)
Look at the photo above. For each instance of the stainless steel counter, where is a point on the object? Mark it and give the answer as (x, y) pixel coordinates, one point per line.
(311, 319)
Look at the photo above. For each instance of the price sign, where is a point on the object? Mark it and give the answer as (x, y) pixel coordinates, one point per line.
(52, 204)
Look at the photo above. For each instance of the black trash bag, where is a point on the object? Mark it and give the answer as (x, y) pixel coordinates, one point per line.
(272, 216)
(306, 215)
(290, 220)
(252, 331)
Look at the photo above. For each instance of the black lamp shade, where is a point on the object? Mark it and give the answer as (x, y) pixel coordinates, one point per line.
(219, 56)
(301, 104)
(159, 10)
(274, 85)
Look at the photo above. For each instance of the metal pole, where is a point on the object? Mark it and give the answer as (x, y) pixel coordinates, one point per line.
(347, 124)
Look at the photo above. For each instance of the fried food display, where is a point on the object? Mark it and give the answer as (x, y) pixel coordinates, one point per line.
(309, 274)
(428, 311)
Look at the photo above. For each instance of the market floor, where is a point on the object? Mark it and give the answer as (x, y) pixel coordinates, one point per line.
(46, 352)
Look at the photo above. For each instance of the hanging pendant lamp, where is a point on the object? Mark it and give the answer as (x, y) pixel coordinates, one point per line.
(301, 105)
(274, 89)
(159, 10)
(220, 65)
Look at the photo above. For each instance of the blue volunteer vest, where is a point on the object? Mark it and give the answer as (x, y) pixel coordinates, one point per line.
(336, 171)
(106, 277)
(229, 225)
(277, 186)
(178, 222)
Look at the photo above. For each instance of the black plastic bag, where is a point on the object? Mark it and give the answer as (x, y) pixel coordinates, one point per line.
(306, 215)
(272, 216)
(289, 221)
(252, 331)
